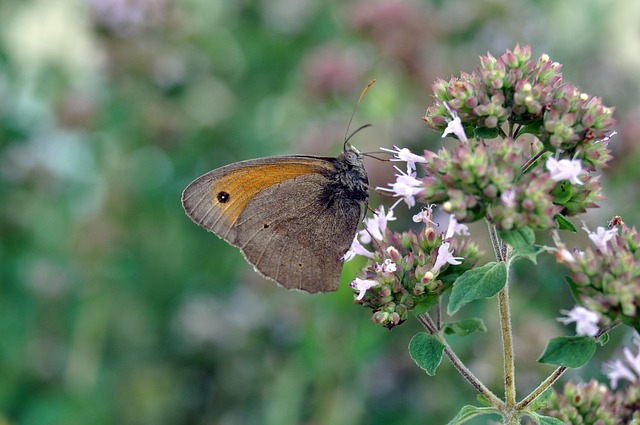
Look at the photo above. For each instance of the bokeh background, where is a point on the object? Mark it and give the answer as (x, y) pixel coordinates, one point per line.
(116, 309)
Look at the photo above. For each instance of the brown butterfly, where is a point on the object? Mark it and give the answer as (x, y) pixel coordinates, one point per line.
(293, 216)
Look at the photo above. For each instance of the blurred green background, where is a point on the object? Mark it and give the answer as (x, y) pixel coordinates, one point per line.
(116, 309)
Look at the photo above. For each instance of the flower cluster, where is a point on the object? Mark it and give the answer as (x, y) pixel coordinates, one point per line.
(594, 403)
(518, 181)
(408, 269)
(606, 277)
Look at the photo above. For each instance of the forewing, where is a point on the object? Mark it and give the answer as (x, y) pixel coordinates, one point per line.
(216, 199)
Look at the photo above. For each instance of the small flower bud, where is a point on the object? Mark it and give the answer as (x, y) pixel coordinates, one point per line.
(394, 254)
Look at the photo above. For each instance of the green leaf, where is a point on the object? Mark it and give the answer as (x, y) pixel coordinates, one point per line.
(562, 192)
(564, 223)
(603, 340)
(522, 241)
(522, 238)
(569, 351)
(470, 412)
(426, 350)
(464, 327)
(481, 282)
(542, 400)
(543, 420)
(485, 133)
(531, 127)
(484, 400)
(425, 304)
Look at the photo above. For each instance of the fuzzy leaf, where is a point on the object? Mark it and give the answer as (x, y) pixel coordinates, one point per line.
(426, 350)
(603, 340)
(522, 241)
(543, 420)
(481, 282)
(485, 133)
(470, 412)
(542, 400)
(464, 327)
(564, 223)
(569, 351)
(425, 304)
(562, 192)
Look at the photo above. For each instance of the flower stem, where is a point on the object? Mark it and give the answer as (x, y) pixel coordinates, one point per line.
(501, 251)
(542, 387)
(507, 346)
(430, 326)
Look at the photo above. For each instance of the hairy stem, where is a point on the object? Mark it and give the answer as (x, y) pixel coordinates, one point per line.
(501, 251)
(542, 387)
(507, 346)
(430, 326)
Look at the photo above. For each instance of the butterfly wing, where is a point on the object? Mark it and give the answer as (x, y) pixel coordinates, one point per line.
(273, 210)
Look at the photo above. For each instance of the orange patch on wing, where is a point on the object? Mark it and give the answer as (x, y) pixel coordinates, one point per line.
(243, 184)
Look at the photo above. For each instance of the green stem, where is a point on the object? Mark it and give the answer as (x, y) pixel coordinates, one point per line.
(507, 346)
(501, 251)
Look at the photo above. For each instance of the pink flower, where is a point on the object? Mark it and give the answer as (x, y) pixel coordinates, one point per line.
(601, 236)
(454, 126)
(362, 285)
(445, 256)
(406, 186)
(387, 267)
(617, 369)
(586, 320)
(376, 225)
(356, 249)
(456, 228)
(425, 215)
(407, 156)
(565, 169)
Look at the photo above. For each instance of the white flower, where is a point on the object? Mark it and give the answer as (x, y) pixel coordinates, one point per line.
(601, 236)
(356, 249)
(565, 169)
(456, 228)
(454, 126)
(407, 156)
(424, 215)
(445, 256)
(406, 186)
(387, 267)
(376, 225)
(586, 320)
(362, 285)
(617, 369)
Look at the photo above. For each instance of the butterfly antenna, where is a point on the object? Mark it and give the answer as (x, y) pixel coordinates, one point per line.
(371, 155)
(346, 136)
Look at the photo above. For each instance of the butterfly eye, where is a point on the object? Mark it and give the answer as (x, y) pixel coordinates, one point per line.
(223, 197)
